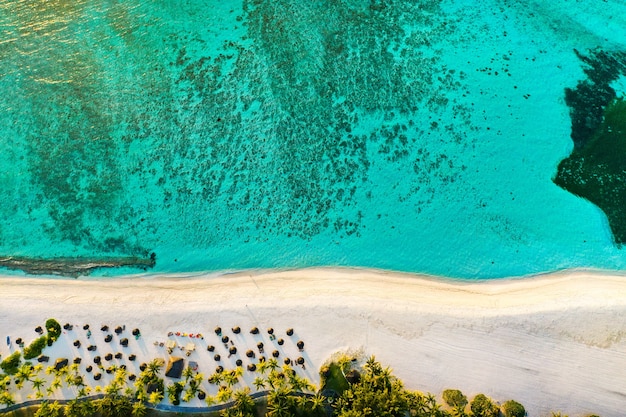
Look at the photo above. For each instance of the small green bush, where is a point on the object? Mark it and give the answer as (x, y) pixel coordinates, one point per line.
(11, 363)
(482, 406)
(455, 398)
(35, 348)
(54, 330)
(513, 409)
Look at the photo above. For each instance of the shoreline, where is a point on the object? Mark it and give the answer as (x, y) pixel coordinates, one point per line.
(554, 342)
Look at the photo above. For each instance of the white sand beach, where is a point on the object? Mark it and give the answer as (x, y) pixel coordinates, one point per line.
(554, 342)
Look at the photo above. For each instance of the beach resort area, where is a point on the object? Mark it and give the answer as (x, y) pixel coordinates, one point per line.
(553, 343)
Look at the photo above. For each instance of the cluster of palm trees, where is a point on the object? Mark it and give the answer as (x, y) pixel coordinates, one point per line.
(285, 391)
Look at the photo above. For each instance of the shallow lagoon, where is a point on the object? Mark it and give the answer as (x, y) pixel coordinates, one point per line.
(415, 136)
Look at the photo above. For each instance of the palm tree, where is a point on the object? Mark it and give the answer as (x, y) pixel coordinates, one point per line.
(262, 367)
(224, 394)
(38, 383)
(155, 365)
(244, 404)
(272, 364)
(24, 373)
(6, 398)
(188, 373)
(47, 409)
(78, 409)
(279, 403)
(216, 378)
(259, 383)
(155, 397)
(317, 402)
(139, 409)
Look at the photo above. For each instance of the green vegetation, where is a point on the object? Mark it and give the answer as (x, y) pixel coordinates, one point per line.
(350, 388)
(36, 347)
(482, 406)
(455, 398)
(333, 378)
(595, 170)
(54, 330)
(11, 363)
(512, 408)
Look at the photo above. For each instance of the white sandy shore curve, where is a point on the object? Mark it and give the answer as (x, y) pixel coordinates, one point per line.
(553, 342)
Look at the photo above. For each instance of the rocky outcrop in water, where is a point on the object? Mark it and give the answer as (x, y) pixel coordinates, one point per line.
(73, 267)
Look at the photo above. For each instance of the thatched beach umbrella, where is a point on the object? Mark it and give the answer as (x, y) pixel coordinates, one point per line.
(124, 342)
(251, 367)
(260, 347)
(254, 330)
(290, 332)
(250, 354)
(39, 330)
(270, 331)
(143, 367)
(108, 357)
(118, 355)
(275, 353)
(97, 376)
(43, 358)
(122, 366)
(287, 361)
(300, 360)
(18, 341)
(109, 370)
(232, 350)
(77, 343)
(238, 362)
(217, 357)
(104, 328)
(225, 339)
(210, 348)
(97, 360)
(86, 327)
(281, 342)
(132, 377)
(136, 332)
(108, 338)
(92, 348)
(236, 330)
(132, 357)
(218, 331)
(67, 326)
(78, 360)
(118, 330)
(89, 368)
(219, 369)
(201, 395)
(261, 358)
(300, 345)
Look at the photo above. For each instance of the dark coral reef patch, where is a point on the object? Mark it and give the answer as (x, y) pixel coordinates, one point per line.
(596, 169)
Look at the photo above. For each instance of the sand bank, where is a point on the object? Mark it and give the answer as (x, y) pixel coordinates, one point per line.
(553, 342)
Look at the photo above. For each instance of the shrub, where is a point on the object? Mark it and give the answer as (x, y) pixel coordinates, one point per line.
(455, 398)
(483, 407)
(11, 363)
(54, 330)
(35, 348)
(513, 409)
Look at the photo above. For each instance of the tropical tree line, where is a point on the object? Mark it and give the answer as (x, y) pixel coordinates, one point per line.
(367, 390)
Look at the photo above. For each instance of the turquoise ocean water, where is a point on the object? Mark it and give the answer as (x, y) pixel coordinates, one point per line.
(418, 136)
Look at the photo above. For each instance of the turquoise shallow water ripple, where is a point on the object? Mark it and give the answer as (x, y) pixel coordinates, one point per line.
(418, 136)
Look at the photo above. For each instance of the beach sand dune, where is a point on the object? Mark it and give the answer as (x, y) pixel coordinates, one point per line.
(553, 342)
